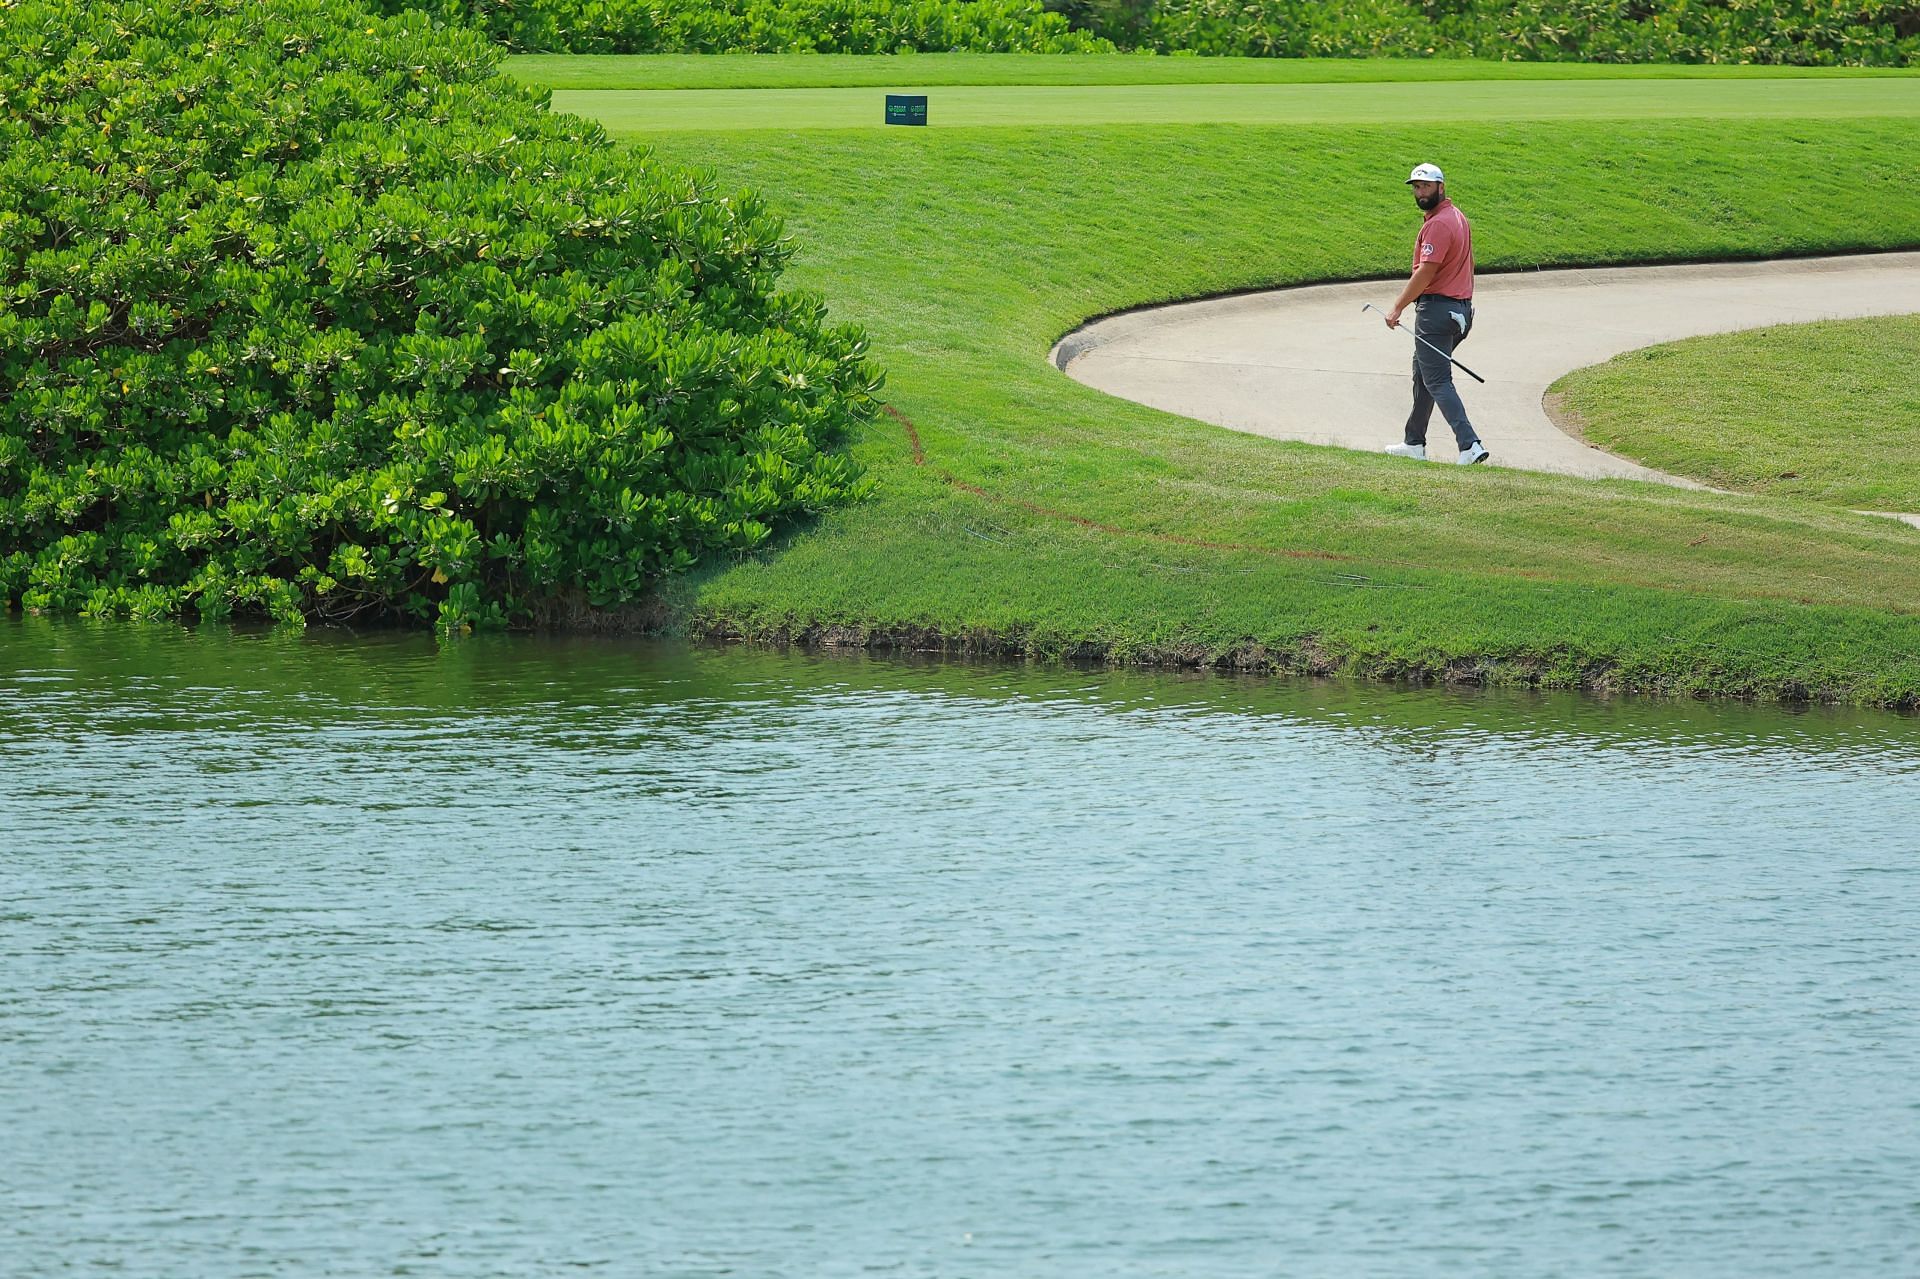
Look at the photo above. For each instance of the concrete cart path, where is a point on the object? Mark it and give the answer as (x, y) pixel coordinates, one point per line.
(1307, 364)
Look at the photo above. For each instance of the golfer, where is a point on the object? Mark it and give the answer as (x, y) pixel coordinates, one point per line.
(1441, 293)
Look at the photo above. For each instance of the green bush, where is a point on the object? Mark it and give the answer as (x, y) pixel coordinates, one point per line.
(1802, 32)
(766, 26)
(1796, 32)
(308, 313)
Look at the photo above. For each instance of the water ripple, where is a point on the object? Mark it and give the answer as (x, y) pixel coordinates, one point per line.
(350, 955)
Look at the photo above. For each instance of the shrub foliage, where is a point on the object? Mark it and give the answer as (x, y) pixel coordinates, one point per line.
(1797, 32)
(308, 313)
(766, 26)
(1790, 32)
(1794, 32)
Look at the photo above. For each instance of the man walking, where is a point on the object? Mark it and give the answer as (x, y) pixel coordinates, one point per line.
(1441, 293)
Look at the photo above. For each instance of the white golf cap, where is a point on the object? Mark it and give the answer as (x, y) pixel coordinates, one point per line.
(1426, 173)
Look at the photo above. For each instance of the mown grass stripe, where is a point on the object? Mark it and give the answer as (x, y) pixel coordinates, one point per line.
(815, 70)
(973, 106)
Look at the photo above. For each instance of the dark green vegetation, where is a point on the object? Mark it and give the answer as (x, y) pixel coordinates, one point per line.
(764, 26)
(305, 312)
(1829, 412)
(1787, 32)
(1799, 32)
(1048, 519)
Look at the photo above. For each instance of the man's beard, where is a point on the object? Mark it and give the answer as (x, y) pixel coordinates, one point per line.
(1429, 202)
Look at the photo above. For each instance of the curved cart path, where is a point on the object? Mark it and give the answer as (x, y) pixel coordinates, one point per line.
(1307, 364)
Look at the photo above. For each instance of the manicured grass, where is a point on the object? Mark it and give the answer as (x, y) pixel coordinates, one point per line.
(828, 70)
(969, 106)
(1049, 518)
(1826, 411)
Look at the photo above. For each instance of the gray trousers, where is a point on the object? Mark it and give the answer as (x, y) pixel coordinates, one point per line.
(1445, 323)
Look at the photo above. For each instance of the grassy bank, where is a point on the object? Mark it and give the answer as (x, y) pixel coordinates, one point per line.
(1029, 514)
(1828, 412)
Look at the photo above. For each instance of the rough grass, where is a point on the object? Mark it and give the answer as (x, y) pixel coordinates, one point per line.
(1047, 518)
(1828, 412)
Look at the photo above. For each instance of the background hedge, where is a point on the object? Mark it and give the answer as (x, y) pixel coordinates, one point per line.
(1797, 32)
(307, 312)
(765, 26)
(1803, 32)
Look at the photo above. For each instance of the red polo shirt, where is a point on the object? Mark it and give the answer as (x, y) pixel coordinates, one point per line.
(1446, 238)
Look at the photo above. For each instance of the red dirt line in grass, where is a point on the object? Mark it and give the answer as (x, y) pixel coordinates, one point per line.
(913, 436)
(1174, 539)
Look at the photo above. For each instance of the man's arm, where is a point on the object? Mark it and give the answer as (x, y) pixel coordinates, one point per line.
(1416, 285)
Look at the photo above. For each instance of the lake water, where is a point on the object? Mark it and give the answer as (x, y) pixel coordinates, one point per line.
(348, 955)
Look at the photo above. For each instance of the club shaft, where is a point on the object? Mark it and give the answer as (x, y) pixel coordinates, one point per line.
(1431, 347)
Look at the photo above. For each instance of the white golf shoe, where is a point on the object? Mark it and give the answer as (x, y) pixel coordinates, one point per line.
(1475, 452)
(1418, 452)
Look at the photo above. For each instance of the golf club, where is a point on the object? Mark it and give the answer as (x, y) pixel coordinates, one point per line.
(1368, 306)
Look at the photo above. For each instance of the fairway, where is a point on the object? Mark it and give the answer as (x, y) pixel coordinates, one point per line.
(828, 70)
(1481, 101)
